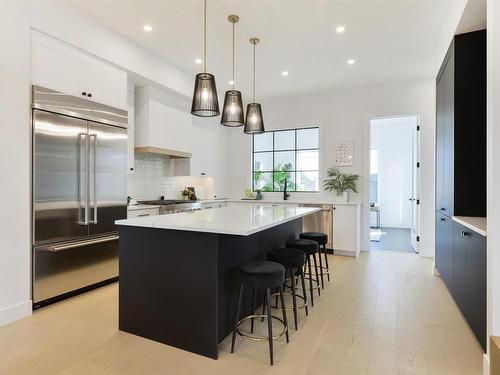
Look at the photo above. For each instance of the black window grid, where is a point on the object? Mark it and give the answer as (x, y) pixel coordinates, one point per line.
(295, 150)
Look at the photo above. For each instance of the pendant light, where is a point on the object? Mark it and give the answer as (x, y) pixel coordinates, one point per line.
(232, 112)
(254, 123)
(205, 102)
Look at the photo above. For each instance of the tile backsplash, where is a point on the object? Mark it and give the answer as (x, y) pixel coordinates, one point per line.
(152, 179)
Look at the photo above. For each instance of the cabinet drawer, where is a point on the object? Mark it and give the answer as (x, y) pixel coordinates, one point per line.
(142, 213)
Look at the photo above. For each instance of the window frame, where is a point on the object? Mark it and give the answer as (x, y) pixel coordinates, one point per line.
(295, 150)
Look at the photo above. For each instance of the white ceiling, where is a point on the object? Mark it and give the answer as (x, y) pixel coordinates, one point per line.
(392, 40)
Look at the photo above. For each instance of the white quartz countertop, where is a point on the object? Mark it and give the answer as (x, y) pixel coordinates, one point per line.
(303, 201)
(243, 220)
(477, 224)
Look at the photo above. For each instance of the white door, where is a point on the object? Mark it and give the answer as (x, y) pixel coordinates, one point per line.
(415, 198)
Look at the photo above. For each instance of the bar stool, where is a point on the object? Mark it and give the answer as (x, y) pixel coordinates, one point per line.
(310, 248)
(261, 275)
(322, 240)
(293, 260)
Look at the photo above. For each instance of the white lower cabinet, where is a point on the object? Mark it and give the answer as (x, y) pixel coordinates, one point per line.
(347, 229)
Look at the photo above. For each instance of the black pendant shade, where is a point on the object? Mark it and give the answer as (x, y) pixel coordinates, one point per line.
(254, 122)
(205, 102)
(232, 112)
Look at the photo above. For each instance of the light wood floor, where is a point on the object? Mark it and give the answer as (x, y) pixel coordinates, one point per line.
(383, 313)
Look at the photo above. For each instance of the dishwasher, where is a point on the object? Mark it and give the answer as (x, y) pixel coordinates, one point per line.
(321, 221)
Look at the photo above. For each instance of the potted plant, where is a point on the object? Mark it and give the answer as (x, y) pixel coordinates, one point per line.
(341, 183)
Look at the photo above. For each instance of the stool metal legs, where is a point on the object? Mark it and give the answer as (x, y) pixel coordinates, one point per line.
(326, 261)
(267, 303)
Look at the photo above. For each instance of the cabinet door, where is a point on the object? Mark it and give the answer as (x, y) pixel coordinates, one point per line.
(459, 267)
(57, 71)
(439, 143)
(130, 132)
(344, 228)
(476, 285)
(106, 84)
(444, 248)
(448, 137)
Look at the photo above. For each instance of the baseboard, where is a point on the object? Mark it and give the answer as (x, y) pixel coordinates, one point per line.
(346, 253)
(10, 313)
(486, 364)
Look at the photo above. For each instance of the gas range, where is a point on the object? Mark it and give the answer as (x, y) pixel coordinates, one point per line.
(173, 206)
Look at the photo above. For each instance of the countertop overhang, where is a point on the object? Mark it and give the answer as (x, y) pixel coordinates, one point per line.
(242, 220)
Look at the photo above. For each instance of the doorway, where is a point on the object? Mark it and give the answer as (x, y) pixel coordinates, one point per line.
(394, 183)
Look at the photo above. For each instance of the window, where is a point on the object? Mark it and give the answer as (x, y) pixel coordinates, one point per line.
(291, 155)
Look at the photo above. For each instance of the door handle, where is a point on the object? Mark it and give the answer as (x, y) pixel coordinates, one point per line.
(94, 220)
(84, 220)
(75, 244)
(442, 219)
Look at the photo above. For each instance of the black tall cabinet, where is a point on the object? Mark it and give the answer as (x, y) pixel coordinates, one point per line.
(461, 175)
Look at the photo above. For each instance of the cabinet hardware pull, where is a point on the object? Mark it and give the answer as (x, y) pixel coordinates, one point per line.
(89, 95)
(466, 233)
(443, 209)
(84, 93)
(140, 215)
(442, 219)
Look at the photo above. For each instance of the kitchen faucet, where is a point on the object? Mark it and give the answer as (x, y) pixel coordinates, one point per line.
(285, 194)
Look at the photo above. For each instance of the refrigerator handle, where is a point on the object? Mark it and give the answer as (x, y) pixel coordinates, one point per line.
(94, 167)
(85, 220)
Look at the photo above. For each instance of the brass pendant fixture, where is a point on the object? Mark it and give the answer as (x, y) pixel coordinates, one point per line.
(205, 102)
(232, 112)
(254, 122)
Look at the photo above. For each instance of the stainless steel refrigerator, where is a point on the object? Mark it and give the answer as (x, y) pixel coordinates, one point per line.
(79, 189)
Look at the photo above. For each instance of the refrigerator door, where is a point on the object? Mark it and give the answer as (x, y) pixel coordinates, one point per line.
(107, 177)
(59, 177)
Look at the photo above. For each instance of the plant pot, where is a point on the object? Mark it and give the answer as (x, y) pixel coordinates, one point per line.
(343, 197)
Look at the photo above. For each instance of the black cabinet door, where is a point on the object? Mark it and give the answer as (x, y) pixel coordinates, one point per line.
(475, 312)
(459, 267)
(439, 143)
(448, 78)
(444, 249)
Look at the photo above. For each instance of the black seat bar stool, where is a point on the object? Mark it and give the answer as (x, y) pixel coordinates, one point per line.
(322, 240)
(310, 248)
(293, 260)
(261, 275)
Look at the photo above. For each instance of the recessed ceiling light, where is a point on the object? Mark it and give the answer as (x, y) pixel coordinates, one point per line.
(231, 82)
(284, 73)
(198, 61)
(147, 28)
(340, 29)
(351, 61)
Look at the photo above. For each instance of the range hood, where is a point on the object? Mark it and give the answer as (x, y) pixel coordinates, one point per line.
(163, 151)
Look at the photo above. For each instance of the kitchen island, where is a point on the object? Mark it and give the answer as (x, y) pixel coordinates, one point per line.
(178, 272)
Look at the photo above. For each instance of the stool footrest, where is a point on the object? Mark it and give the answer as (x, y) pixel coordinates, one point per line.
(302, 306)
(260, 338)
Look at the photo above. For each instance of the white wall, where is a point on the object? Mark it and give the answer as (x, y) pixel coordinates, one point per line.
(493, 171)
(56, 19)
(15, 70)
(345, 115)
(392, 137)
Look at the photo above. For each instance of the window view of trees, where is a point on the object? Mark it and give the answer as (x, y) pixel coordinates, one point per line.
(286, 155)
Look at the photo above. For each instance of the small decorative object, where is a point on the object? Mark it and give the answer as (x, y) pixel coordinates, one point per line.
(344, 154)
(259, 195)
(341, 183)
(249, 194)
(192, 194)
(185, 194)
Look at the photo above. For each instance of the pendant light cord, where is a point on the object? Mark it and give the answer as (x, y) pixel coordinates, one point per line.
(233, 56)
(254, 73)
(205, 41)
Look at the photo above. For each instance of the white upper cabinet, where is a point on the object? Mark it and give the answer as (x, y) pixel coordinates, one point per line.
(130, 130)
(61, 67)
(57, 71)
(106, 84)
